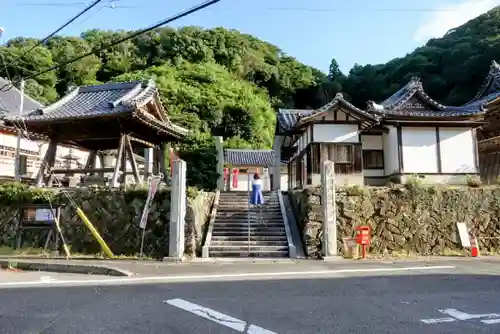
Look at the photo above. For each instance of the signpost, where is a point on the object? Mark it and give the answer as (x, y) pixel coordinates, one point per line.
(153, 186)
(38, 217)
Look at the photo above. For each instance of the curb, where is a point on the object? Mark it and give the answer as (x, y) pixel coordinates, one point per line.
(64, 268)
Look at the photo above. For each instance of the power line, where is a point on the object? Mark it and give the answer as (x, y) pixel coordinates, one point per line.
(289, 9)
(121, 40)
(108, 4)
(89, 7)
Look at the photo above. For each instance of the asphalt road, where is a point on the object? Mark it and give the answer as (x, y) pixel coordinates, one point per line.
(354, 302)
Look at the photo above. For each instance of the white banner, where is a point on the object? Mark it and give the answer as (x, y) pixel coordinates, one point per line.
(153, 186)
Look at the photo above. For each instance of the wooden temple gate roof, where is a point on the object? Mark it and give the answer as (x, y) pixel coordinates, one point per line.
(94, 117)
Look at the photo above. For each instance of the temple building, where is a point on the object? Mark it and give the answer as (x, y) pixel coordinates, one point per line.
(408, 134)
(488, 100)
(124, 117)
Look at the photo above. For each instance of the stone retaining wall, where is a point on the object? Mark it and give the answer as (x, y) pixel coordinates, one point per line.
(115, 213)
(412, 219)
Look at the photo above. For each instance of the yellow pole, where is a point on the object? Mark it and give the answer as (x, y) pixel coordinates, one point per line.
(65, 246)
(94, 232)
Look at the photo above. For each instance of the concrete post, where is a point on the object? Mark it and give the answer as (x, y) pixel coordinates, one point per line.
(278, 142)
(177, 210)
(219, 145)
(328, 203)
(148, 163)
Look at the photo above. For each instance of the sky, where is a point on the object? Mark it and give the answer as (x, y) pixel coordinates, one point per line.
(313, 31)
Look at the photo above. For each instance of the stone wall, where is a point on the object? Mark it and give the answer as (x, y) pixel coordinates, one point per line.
(413, 219)
(115, 213)
(197, 217)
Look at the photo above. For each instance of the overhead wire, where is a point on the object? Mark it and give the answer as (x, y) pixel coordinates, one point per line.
(107, 4)
(67, 23)
(180, 15)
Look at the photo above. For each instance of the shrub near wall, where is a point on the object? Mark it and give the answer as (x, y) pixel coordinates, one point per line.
(114, 212)
(412, 219)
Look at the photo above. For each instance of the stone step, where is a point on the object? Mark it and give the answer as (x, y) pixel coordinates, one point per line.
(244, 248)
(247, 205)
(251, 254)
(217, 243)
(251, 218)
(244, 233)
(247, 212)
(245, 228)
(252, 238)
(251, 226)
(257, 223)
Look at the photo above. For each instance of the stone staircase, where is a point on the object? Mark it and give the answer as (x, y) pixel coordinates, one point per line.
(234, 235)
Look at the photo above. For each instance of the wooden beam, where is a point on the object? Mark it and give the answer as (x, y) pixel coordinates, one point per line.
(135, 169)
(43, 166)
(156, 161)
(124, 161)
(114, 179)
(163, 167)
(91, 159)
(101, 161)
(141, 141)
(82, 170)
(51, 163)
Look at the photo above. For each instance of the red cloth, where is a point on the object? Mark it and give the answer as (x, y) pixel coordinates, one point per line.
(235, 178)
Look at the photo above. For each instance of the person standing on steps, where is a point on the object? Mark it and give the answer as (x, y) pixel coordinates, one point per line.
(256, 197)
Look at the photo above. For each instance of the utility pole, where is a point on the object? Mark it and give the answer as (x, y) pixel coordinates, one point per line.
(19, 135)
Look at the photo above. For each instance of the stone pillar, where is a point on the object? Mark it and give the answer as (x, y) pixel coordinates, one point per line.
(219, 145)
(328, 203)
(276, 170)
(177, 210)
(148, 162)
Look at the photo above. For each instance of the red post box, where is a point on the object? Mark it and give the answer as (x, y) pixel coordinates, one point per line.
(363, 237)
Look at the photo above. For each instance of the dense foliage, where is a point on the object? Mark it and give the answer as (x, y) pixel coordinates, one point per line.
(452, 68)
(222, 82)
(215, 82)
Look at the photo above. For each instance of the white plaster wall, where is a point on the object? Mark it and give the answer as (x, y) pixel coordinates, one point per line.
(457, 150)
(390, 145)
(336, 133)
(419, 150)
(11, 141)
(372, 142)
(243, 181)
(63, 150)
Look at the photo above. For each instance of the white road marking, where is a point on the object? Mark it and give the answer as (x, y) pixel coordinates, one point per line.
(466, 316)
(437, 320)
(462, 316)
(47, 279)
(223, 276)
(491, 321)
(220, 318)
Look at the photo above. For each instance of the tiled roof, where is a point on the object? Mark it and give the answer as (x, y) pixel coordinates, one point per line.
(246, 157)
(104, 100)
(491, 84)
(395, 104)
(489, 92)
(339, 100)
(287, 118)
(11, 98)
